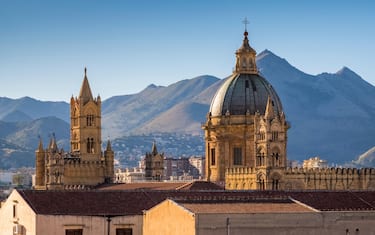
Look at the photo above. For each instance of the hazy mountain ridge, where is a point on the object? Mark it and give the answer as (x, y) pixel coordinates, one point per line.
(34, 108)
(20, 140)
(330, 113)
(136, 110)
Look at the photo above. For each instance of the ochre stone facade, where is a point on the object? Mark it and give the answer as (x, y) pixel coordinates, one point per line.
(86, 164)
(246, 138)
(154, 164)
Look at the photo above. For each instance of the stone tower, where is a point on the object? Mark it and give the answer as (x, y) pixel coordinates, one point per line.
(154, 164)
(85, 165)
(246, 126)
(85, 124)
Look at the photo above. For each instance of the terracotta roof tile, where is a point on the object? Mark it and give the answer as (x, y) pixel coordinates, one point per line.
(337, 200)
(143, 186)
(200, 186)
(248, 207)
(133, 202)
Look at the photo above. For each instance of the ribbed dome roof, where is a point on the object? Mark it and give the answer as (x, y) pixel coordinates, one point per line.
(244, 94)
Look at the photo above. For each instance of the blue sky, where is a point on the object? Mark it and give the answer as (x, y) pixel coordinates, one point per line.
(127, 45)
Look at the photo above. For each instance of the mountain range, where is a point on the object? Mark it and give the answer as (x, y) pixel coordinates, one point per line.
(330, 114)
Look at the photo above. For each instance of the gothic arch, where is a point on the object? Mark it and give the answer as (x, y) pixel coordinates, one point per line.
(275, 179)
(90, 108)
(276, 158)
(261, 156)
(261, 181)
(275, 124)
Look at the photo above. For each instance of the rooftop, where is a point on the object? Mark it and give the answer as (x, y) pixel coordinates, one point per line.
(191, 185)
(246, 207)
(133, 202)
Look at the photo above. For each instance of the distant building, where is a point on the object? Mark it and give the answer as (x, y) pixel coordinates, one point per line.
(130, 175)
(197, 167)
(85, 165)
(184, 168)
(22, 179)
(154, 169)
(314, 163)
(246, 138)
(175, 168)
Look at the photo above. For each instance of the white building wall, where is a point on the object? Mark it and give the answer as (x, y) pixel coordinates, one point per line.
(24, 217)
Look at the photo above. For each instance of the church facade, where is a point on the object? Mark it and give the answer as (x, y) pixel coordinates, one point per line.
(154, 165)
(246, 138)
(85, 165)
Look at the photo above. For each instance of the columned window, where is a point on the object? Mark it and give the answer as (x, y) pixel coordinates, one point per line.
(275, 135)
(276, 159)
(261, 183)
(90, 145)
(90, 120)
(260, 159)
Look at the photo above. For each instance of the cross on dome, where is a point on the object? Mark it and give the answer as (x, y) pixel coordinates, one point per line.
(245, 22)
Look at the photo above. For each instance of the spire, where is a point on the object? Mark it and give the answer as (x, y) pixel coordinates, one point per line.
(245, 55)
(85, 92)
(109, 147)
(154, 150)
(269, 113)
(40, 146)
(52, 143)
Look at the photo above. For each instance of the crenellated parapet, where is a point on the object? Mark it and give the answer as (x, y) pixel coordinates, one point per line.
(300, 178)
(331, 171)
(240, 170)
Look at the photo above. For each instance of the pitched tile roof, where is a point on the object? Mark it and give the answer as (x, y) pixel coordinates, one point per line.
(97, 203)
(142, 186)
(192, 185)
(246, 207)
(337, 200)
(200, 186)
(133, 202)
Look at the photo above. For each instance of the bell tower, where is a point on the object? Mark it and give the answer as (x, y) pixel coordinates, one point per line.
(85, 123)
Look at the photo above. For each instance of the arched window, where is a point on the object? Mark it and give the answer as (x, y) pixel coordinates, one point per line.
(261, 161)
(261, 183)
(90, 145)
(275, 135)
(237, 156)
(244, 63)
(276, 159)
(262, 135)
(275, 184)
(90, 120)
(213, 157)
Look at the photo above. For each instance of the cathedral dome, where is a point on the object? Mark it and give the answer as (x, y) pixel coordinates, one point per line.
(245, 92)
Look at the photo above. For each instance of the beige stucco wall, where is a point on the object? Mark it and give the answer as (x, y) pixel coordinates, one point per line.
(314, 223)
(25, 216)
(56, 224)
(93, 225)
(259, 223)
(168, 218)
